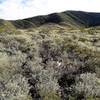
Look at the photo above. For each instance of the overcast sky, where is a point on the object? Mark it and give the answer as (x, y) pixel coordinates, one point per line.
(18, 9)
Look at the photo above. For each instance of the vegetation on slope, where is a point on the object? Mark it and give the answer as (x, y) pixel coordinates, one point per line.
(50, 62)
(69, 18)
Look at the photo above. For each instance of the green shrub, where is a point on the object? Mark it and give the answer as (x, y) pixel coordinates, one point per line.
(16, 88)
(88, 85)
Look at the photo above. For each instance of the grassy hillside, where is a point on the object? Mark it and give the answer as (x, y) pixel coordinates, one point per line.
(50, 58)
(69, 18)
(75, 19)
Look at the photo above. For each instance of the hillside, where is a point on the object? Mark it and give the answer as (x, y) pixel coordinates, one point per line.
(52, 57)
(70, 18)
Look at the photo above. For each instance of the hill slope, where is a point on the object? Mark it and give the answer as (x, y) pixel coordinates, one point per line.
(52, 61)
(70, 18)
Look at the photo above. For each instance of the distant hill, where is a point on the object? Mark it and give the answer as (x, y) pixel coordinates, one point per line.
(69, 18)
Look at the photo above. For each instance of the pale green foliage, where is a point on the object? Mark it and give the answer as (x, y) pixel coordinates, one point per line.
(88, 85)
(48, 85)
(48, 81)
(16, 88)
(45, 62)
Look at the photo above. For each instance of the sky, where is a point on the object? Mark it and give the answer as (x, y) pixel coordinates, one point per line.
(19, 9)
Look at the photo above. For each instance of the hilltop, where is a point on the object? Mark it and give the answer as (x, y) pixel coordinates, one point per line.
(68, 18)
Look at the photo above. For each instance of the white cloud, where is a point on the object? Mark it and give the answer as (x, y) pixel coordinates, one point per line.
(17, 9)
